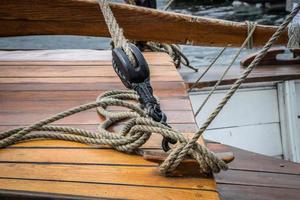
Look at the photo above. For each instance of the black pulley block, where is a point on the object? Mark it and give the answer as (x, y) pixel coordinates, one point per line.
(138, 78)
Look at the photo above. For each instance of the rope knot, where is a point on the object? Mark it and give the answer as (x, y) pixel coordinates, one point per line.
(208, 161)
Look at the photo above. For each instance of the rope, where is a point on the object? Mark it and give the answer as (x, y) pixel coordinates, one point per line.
(250, 26)
(135, 132)
(178, 155)
(169, 3)
(208, 68)
(294, 36)
(115, 31)
(173, 50)
(294, 33)
(249, 37)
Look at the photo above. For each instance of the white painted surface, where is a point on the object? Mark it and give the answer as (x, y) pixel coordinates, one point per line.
(249, 121)
(246, 107)
(263, 138)
(290, 127)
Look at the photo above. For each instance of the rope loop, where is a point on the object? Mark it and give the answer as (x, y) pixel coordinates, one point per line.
(137, 129)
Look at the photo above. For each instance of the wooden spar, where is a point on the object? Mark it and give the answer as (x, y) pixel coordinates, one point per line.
(82, 17)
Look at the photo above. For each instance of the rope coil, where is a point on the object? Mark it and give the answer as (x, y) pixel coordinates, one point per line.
(135, 132)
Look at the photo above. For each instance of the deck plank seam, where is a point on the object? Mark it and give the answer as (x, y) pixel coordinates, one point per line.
(118, 184)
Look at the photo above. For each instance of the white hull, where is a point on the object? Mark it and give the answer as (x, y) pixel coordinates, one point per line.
(262, 118)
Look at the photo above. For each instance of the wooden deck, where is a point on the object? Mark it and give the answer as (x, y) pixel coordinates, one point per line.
(32, 90)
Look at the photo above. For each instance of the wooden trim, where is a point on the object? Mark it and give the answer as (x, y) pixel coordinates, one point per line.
(83, 17)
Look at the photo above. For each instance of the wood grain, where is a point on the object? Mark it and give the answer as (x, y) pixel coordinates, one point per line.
(83, 17)
(106, 190)
(30, 91)
(263, 163)
(254, 192)
(109, 174)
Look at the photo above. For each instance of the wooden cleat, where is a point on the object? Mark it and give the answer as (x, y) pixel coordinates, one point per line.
(189, 166)
(271, 58)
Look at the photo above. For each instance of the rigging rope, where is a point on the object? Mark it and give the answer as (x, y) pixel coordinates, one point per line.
(115, 31)
(294, 32)
(183, 152)
(208, 68)
(250, 27)
(249, 37)
(169, 3)
(173, 50)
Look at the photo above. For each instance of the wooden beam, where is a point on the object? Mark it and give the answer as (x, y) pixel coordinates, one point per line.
(83, 17)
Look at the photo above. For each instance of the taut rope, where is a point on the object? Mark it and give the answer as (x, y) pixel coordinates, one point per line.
(249, 37)
(115, 31)
(294, 32)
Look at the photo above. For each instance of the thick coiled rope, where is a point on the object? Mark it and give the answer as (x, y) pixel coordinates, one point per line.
(137, 129)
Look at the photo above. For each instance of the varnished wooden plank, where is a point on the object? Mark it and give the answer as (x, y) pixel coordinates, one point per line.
(128, 175)
(244, 161)
(72, 156)
(74, 17)
(77, 80)
(47, 58)
(76, 95)
(259, 74)
(175, 104)
(244, 192)
(107, 191)
(78, 71)
(157, 85)
(264, 179)
(82, 118)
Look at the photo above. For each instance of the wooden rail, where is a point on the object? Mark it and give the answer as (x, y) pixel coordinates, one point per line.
(83, 17)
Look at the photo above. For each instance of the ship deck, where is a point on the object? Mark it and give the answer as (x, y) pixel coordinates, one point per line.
(33, 86)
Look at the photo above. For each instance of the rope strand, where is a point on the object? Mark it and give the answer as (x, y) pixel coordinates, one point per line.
(115, 31)
(250, 34)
